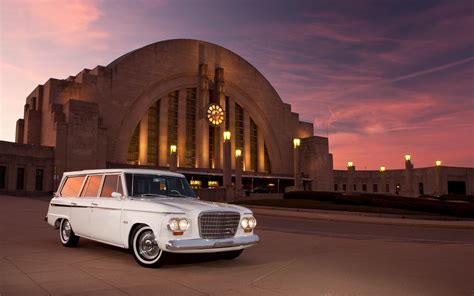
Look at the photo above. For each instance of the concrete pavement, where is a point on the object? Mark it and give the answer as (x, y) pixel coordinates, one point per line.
(295, 257)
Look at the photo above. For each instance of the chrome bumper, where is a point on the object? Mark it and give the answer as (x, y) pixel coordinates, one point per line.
(200, 243)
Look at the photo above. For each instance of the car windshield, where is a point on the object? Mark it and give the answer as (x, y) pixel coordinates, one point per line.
(148, 185)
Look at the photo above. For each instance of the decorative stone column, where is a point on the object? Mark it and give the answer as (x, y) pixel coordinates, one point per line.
(143, 144)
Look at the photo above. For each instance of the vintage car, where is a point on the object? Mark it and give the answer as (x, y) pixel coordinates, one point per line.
(152, 213)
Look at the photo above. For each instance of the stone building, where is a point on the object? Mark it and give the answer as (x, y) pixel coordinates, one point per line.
(176, 94)
(411, 181)
(167, 105)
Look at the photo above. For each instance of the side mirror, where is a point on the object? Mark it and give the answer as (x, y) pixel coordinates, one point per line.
(116, 195)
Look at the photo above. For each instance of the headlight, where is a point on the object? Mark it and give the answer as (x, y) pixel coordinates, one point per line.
(252, 222)
(244, 223)
(183, 224)
(173, 224)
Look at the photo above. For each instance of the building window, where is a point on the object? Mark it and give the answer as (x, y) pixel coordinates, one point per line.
(132, 157)
(387, 188)
(268, 165)
(335, 187)
(253, 146)
(421, 190)
(355, 187)
(190, 153)
(3, 176)
(20, 178)
(344, 187)
(39, 180)
(227, 113)
(364, 187)
(153, 133)
(173, 118)
(239, 127)
(375, 188)
(211, 146)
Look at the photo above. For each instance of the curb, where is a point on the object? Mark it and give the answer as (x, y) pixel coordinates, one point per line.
(381, 219)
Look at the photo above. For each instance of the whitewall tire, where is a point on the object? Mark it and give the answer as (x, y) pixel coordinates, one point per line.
(66, 235)
(145, 247)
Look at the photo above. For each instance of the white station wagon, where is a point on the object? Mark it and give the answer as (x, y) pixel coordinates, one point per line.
(150, 212)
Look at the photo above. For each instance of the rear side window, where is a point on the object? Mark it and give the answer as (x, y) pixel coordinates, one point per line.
(112, 183)
(92, 186)
(72, 185)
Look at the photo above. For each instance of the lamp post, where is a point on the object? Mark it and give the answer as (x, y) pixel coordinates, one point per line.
(408, 190)
(296, 163)
(238, 170)
(227, 160)
(350, 176)
(173, 158)
(439, 183)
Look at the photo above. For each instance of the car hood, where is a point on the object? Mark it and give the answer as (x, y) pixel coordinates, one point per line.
(188, 205)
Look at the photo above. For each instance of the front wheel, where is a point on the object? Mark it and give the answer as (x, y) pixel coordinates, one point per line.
(66, 235)
(230, 255)
(145, 248)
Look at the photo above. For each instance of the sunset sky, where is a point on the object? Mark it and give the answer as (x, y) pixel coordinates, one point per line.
(381, 78)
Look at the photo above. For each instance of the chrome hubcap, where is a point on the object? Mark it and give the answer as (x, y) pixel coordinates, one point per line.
(147, 245)
(66, 230)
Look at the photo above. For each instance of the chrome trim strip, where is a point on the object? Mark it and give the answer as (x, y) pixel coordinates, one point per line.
(118, 209)
(199, 243)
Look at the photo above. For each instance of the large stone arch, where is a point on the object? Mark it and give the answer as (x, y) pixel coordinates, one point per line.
(161, 88)
(134, 81)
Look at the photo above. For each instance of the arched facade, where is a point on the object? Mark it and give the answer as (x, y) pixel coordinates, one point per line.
(131, 111)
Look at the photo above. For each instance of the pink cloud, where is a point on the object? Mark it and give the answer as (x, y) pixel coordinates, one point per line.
(65, 23)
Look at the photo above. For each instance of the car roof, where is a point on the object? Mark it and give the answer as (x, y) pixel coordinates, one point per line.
(132, 171)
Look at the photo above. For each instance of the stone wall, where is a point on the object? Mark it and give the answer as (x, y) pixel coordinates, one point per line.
(32, 159)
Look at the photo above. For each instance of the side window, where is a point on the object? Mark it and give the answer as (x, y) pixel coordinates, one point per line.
(71, 187)
(112, 183)
(92, 186)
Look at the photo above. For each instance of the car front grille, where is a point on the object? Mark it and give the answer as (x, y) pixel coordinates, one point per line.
(213, 225)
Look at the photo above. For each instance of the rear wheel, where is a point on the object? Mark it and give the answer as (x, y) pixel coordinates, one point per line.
(145, 247)
(66, 234)
(230, 255)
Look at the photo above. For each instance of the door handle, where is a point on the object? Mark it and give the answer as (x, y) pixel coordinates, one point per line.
(95, 204)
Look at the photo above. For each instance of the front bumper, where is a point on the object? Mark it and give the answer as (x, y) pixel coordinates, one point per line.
(200, 243)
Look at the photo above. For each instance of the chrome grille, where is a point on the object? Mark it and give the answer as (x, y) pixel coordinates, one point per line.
(214, 225)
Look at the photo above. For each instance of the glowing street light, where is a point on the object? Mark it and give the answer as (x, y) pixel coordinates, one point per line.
(226, 135)
(407, 157)
(238, 153)
(382, 169)
(173, 148)
(350, 164)
(438, 163)
(296, 142)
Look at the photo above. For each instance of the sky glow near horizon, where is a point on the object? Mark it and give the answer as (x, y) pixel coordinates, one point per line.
(381, 78)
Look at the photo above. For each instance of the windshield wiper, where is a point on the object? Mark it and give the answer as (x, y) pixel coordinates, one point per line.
(150, 195)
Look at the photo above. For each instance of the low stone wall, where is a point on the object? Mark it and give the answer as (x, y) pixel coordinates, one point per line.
(221, 195)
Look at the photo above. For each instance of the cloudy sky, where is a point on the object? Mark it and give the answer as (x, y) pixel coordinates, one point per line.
(381, 78)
